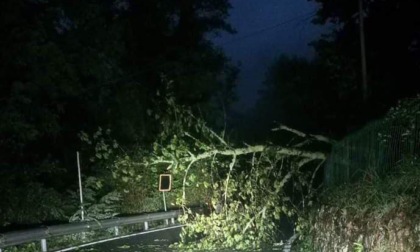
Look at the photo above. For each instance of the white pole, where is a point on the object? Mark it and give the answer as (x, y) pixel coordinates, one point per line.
(44, 245)
(164, 201)
(164, 205)
(80, 188)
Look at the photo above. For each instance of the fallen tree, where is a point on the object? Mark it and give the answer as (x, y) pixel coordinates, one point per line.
(249, 187)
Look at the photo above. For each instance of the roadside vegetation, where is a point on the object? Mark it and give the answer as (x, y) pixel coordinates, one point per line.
(373, 214)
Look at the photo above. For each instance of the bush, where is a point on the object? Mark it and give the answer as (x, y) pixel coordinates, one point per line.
(30, 203)
(378, 215)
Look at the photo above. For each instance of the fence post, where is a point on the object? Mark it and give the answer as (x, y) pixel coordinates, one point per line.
(44, 245)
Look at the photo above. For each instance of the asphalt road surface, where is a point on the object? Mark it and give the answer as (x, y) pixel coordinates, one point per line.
(148, 241)
(144, 242)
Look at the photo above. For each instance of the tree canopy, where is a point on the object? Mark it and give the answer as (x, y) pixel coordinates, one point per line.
(325, 93)
(68, 66)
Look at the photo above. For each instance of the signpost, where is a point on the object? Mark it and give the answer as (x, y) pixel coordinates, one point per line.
(165, 185)
(165, 182)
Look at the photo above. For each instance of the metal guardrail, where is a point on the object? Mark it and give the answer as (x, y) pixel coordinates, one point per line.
(43, 233)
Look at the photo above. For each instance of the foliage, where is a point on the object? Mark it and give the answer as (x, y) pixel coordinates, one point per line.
(125, 173)
(17, 207)
(405, 115)
(96, 203)
(115, 177)
(250, 216)
(358, 247)
(245, 187)
(377, 215)
(67, 67)
(103, 145)
(31, 247)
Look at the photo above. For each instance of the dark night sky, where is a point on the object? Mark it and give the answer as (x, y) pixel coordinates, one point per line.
(265, 30)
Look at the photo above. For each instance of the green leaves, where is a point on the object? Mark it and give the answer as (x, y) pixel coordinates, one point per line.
(98, 204)
(250, 216)
(404, 118)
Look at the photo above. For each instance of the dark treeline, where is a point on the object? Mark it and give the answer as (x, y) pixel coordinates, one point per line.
(73, 66)
(68, 66)
(324, 94)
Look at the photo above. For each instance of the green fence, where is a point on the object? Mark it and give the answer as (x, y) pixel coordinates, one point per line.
(378, 148)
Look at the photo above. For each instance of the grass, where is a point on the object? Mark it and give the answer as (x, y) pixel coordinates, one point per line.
(376, 214)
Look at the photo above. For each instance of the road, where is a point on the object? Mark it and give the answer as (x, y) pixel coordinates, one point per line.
(148, 241)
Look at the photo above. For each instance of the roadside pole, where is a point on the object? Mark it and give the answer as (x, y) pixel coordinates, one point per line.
(80, 188)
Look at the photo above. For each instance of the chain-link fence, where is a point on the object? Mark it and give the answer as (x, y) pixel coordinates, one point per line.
(376, 149)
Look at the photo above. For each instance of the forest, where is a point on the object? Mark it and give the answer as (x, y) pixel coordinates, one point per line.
(138, 88)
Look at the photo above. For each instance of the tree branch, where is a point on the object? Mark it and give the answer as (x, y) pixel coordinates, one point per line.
(280, 151)
(231, 165)
(301, 134)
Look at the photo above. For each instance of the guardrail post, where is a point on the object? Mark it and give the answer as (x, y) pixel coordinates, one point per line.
(146, 225)
(116, 231)
(172, 222)
(44, 245)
